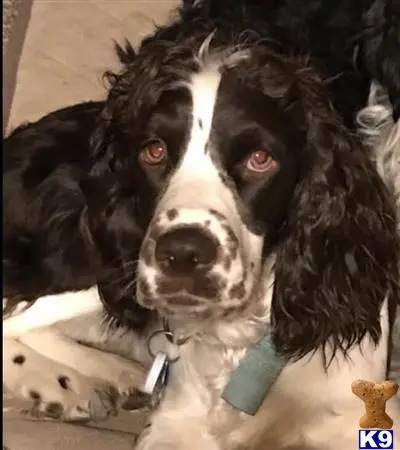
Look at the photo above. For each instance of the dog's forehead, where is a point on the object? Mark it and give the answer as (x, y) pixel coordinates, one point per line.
(216, 117)
(204, 87)
(216, 97)
(197, 171)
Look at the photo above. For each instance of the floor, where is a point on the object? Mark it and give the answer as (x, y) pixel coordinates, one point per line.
(69, 45)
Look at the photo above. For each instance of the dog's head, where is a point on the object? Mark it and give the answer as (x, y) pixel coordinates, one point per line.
(220, 159)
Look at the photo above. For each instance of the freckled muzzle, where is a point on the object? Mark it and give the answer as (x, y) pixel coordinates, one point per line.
(186, 260)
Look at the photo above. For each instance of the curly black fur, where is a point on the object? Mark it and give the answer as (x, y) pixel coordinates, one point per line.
(45, 247)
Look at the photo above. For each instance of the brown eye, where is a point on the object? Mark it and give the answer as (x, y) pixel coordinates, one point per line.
(154, 153)
(260, 161)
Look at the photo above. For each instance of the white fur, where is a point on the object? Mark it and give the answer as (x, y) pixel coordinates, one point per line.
(51, 309)
(85, 399)
(307, 407)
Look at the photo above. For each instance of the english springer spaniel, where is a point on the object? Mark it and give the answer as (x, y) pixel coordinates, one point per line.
(224, 201)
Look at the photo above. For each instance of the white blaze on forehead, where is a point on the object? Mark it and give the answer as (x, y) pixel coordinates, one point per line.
(204, 89)
(197, 174)
(196, 184)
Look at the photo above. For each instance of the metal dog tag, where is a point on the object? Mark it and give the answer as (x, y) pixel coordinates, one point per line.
(157, 379)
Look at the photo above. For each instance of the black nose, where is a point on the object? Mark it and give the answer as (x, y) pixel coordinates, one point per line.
(185, 250)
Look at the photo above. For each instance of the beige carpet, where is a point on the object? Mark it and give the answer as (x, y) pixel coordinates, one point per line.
(69, 45)
(16, 15)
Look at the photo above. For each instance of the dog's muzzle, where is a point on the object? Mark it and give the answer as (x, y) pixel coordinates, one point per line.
(187, 261)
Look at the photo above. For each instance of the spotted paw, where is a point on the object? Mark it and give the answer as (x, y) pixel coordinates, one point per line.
(99, 405)
(54, 390)
(92, 404)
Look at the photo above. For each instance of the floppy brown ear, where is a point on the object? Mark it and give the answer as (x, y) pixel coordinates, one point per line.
(339, 258)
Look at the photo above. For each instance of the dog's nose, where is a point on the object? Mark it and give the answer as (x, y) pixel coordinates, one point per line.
(185, 250)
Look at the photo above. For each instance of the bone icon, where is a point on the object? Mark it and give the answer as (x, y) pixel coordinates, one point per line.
(375, 396)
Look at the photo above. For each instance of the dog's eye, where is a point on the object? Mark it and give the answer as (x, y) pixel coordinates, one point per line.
(260, 161)
(154, 153)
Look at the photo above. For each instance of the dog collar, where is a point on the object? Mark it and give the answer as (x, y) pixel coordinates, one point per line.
(256, 373)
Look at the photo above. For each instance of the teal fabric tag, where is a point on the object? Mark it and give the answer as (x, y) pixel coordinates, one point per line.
(253, 378)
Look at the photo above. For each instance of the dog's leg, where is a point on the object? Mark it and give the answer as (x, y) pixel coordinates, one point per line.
(51, 309)
(57, 391)
(93, 374)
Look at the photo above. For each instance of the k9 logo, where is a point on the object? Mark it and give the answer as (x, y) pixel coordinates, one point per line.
(375, 439)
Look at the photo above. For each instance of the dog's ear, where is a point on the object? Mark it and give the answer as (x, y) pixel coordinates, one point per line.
(338, 259)
(380, 47)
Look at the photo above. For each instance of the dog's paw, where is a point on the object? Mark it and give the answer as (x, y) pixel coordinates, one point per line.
(95, 404)
(54, 390)
(126, 376)
(84, 400)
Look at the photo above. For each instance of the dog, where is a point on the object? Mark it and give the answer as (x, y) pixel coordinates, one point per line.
(298, 235)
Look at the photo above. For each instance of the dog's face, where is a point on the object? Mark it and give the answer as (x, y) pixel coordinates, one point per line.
(217, 162)
(225, 164)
